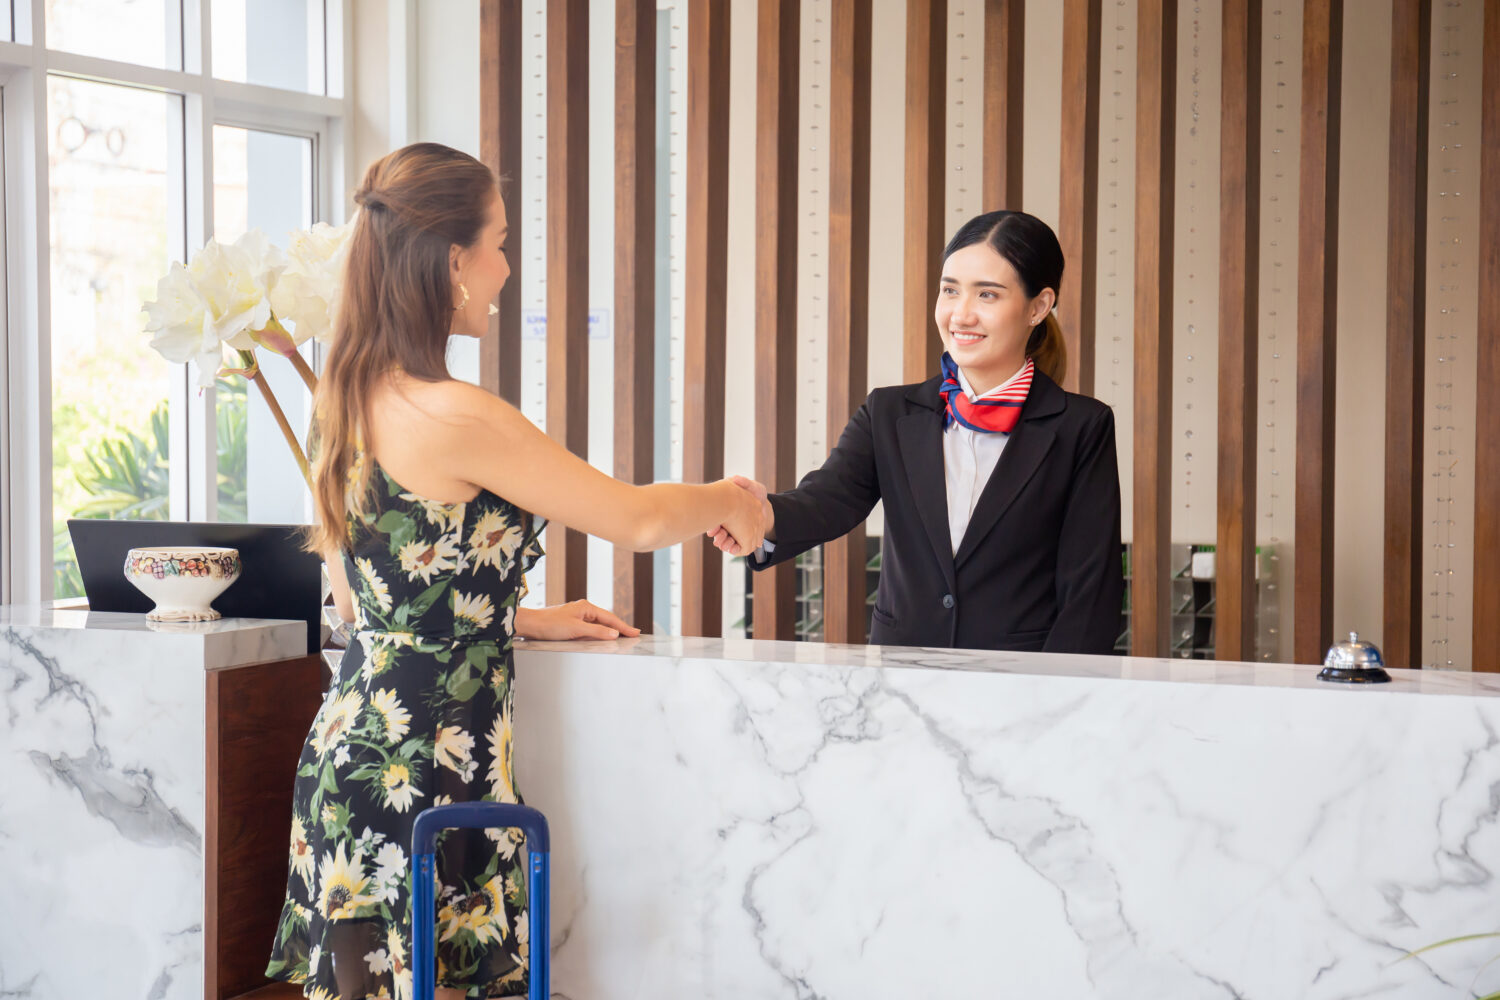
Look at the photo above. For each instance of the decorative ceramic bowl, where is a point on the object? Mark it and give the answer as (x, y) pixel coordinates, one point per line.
(182, 580)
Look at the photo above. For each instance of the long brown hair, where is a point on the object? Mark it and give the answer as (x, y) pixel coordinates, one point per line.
(395, 311)
(1031, 247)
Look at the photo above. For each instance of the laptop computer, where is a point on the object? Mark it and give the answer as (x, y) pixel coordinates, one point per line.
(279, 579)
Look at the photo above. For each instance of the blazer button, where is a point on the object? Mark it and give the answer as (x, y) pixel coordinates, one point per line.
(948, 601)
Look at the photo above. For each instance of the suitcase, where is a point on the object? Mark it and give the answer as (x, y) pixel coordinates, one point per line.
(477, 815)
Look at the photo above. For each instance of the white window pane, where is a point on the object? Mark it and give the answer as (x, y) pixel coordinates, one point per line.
(148, 32)
(262, 180)
(111, 189)
(275, 43)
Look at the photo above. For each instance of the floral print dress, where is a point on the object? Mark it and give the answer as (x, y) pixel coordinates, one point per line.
(419, 714)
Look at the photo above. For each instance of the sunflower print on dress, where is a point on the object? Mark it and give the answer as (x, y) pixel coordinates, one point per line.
(419, 714)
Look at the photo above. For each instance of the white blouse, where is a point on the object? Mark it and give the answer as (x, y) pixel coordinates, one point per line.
(969, 458)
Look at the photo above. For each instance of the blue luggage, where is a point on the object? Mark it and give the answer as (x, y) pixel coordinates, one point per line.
(480, 816)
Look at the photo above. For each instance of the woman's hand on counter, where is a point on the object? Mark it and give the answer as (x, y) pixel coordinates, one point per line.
(574, 620)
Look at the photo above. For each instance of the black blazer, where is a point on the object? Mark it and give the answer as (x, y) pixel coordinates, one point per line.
(1039, 567)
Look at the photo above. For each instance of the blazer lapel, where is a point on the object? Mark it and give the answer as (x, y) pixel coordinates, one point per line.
(1023, 454)
(920, 434)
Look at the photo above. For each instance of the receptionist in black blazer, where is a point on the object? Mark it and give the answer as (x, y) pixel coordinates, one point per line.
(1001, 490)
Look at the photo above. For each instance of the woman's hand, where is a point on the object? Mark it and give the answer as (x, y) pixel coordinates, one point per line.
(726, 540)
(574, 620)
(743, 531)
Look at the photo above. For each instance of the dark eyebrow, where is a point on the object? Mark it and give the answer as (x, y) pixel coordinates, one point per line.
(977, 284)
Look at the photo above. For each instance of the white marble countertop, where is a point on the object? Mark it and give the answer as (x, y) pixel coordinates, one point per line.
(1124, 668)
(227, 642)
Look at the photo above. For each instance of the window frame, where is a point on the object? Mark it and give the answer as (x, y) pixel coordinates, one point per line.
(26, 563)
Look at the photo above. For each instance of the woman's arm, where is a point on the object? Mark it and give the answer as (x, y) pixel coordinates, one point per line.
(829, 502)
(338, 582)
(1090, 579)
(497, 448)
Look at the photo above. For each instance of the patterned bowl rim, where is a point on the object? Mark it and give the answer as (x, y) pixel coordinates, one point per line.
(180, 552)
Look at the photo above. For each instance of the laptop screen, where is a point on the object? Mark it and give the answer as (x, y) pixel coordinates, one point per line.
(279, 579)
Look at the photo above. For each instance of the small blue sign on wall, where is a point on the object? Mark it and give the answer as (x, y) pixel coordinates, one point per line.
(534, 324)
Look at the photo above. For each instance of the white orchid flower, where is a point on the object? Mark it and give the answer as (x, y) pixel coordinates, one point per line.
(180, 319)
(307, 291)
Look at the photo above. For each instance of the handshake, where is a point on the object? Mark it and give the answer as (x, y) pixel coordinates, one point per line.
(748, 521)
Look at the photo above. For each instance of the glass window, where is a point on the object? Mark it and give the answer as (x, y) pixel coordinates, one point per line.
(111, 189)
(262, 180)
(282, 45)
(148, 32)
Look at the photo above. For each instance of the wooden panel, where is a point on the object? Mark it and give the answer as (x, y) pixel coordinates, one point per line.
(1155, 181)
(707, 254)
(1317, 327)
(567, 271)
(926, 142)
(1078, 194)
(776, 141)
(1004, 102)
(257, 718)
(500, 148)
(844, 616)
(1487, 445)
(635, 282)
(1406, 331)
(1239, 322)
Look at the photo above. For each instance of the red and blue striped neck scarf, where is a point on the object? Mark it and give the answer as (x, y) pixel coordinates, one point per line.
(996, 412)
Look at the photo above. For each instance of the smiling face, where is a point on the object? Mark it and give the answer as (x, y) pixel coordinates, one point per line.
(482, 269)
(984, 315)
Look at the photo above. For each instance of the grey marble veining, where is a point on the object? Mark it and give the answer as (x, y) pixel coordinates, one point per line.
(739, 819)
(102, 815)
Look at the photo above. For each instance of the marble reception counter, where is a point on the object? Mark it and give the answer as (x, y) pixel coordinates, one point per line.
(145, 791)
(756, 819)
(741, 819)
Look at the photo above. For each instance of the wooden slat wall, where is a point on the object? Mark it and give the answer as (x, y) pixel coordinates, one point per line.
(1487, 418)
(1317, 327)
(778, 60)
(1078, 194)
(500, 149)
(1239, 321)
(635, 282)
(1406, 331)
(926, 144)
(567, 270)
(1004, 103)
(844, 615)
(706, 262)
(1155, 182)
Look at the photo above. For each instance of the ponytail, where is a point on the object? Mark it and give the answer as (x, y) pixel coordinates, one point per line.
(1047, 349)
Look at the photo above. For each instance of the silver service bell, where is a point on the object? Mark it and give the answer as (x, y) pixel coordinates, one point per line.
(1354, 662)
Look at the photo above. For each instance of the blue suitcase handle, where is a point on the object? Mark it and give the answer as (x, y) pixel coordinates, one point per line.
(477, 815)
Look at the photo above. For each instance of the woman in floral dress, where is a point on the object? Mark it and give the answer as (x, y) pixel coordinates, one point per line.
(425, 490)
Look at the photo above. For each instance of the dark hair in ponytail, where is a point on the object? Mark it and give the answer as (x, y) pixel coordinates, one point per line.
(1030, 246)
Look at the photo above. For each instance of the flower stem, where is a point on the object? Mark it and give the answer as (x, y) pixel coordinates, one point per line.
(286, 429)
(305, 370)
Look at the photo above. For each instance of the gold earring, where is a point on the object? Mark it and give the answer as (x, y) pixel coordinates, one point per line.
(465, 302)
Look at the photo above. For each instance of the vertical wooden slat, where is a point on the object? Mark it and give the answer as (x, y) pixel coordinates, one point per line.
(776, 140)
(1155, 211)
(844, 615)
(1406, 331)
(707, 250)
(1239, 314)
(500, 149)
(1004, 107)
(1487, 416)
(1078, 194)
(635, 281)
(567, 270)
(1317, 326)
(926, 143)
